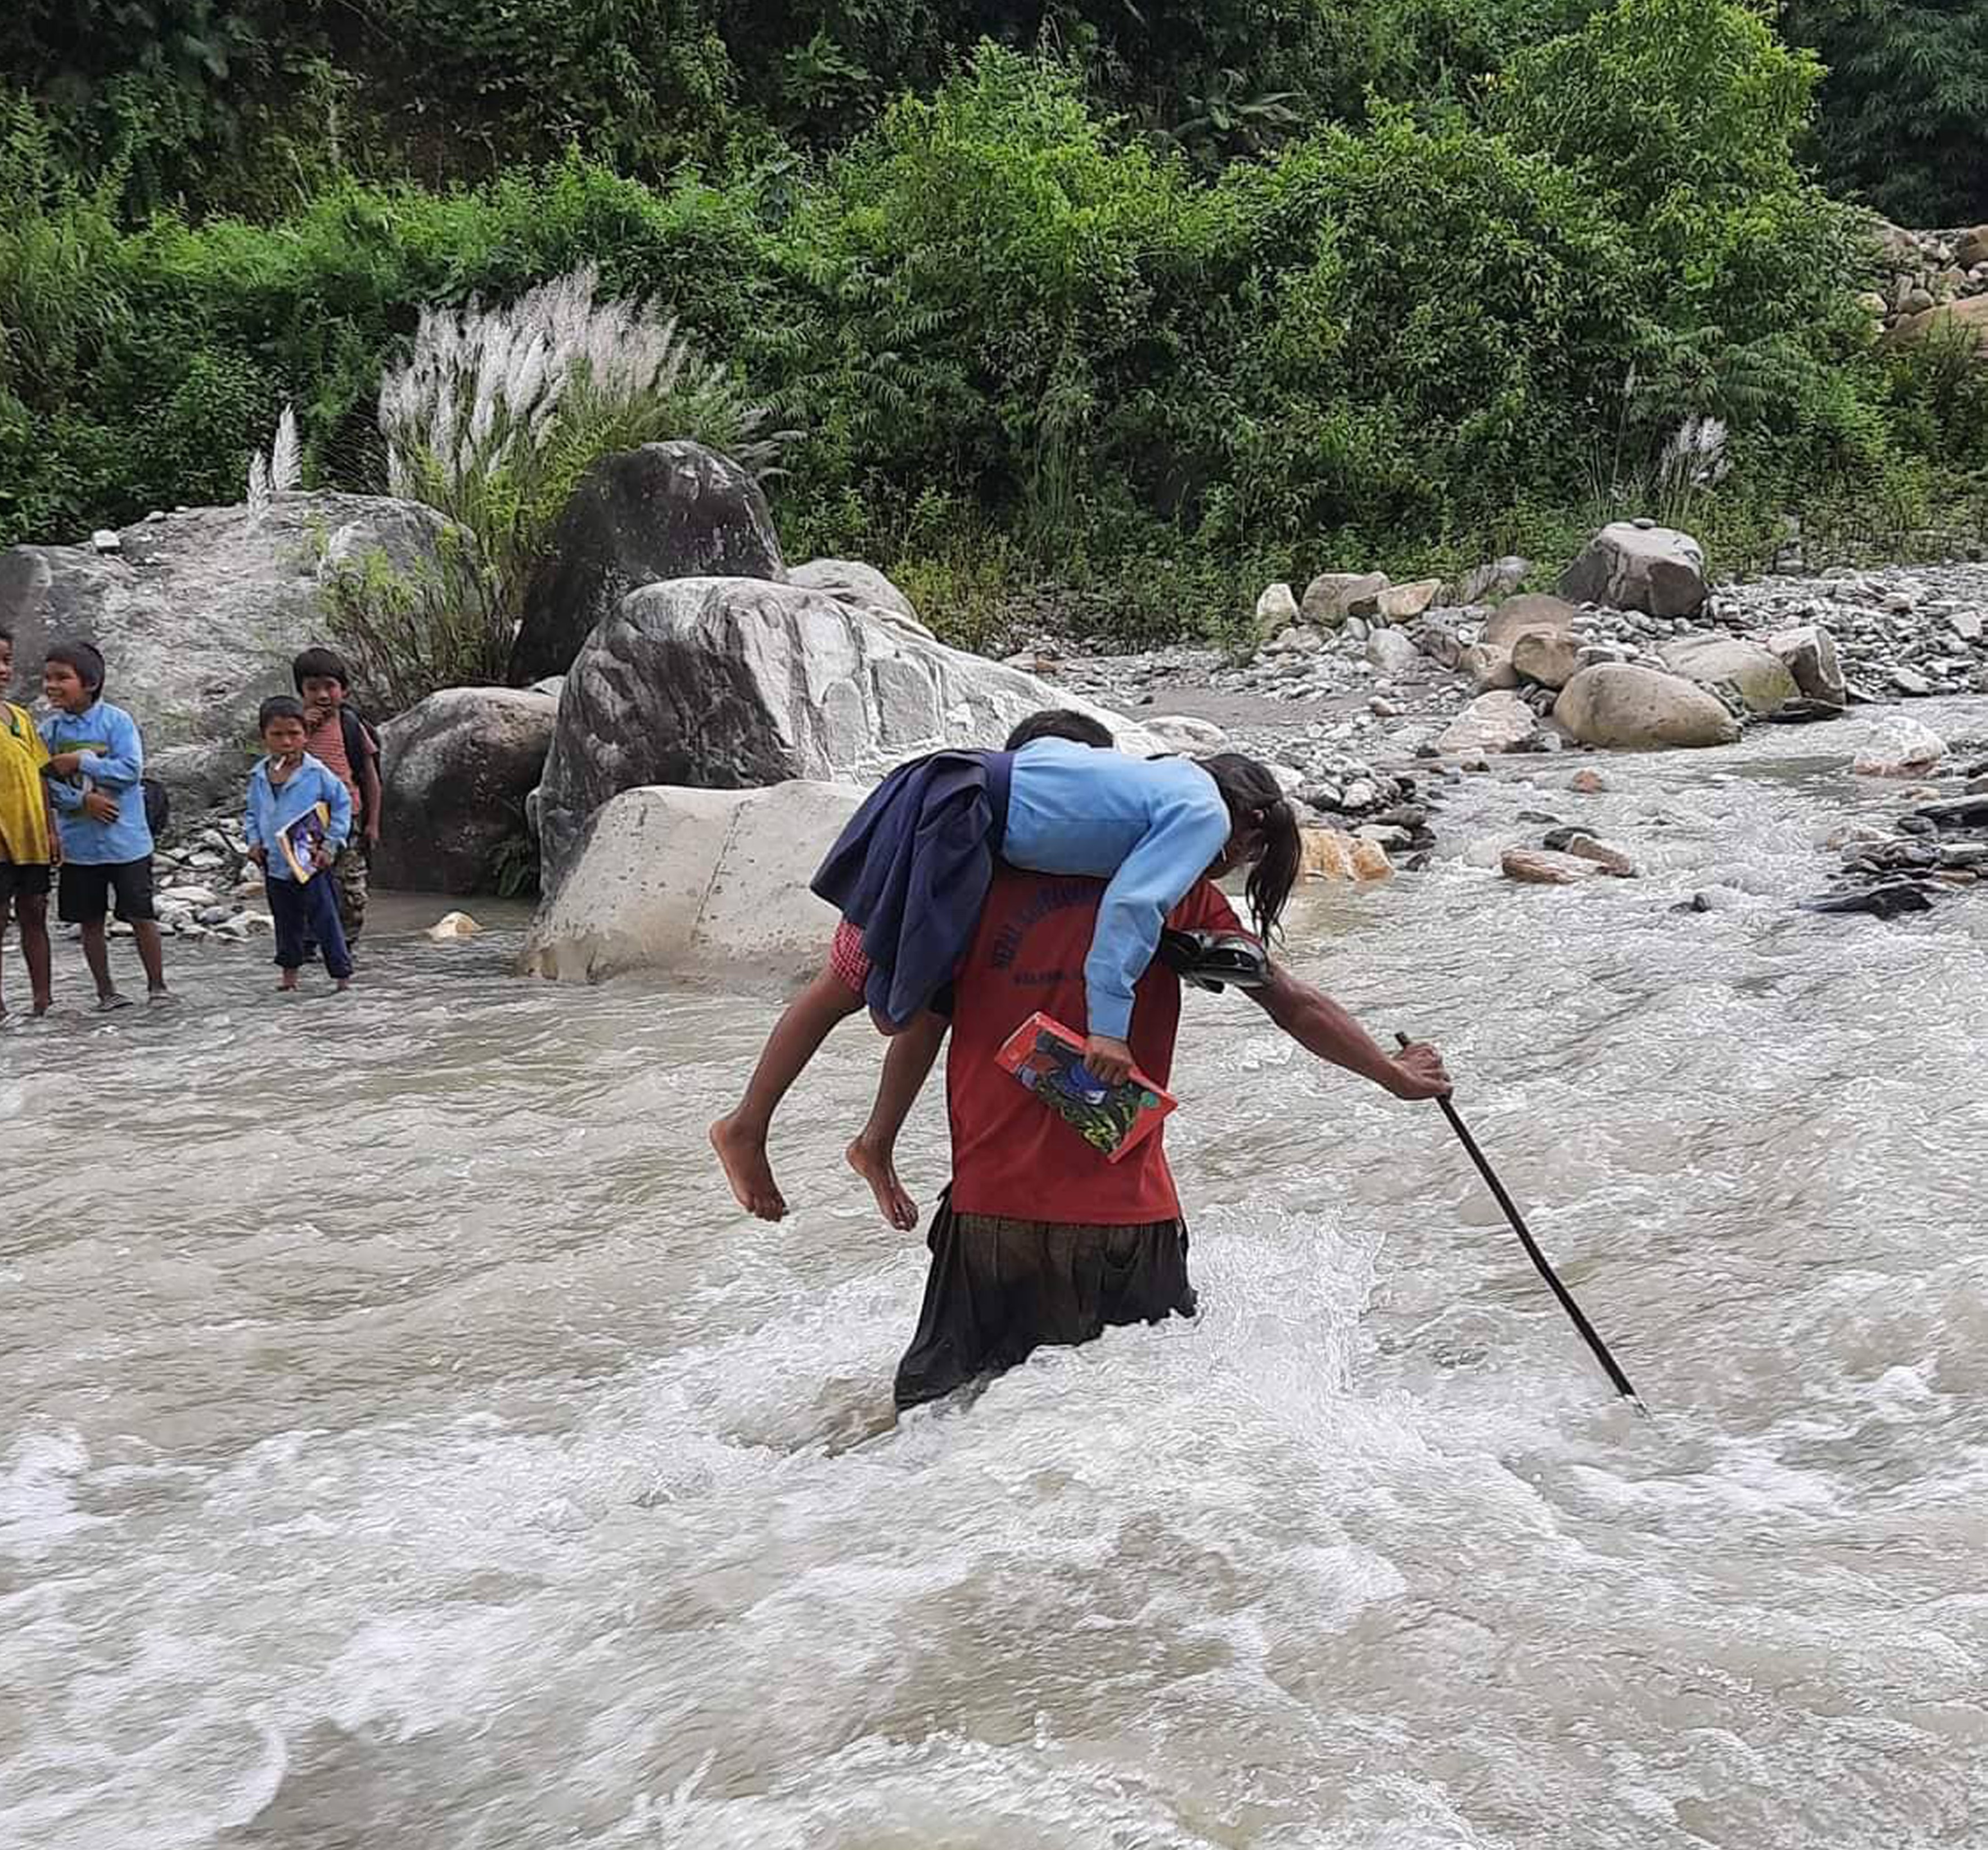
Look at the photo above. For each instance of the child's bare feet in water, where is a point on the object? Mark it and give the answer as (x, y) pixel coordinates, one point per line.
(744, 1155)
(876, 1167)
(286, 982)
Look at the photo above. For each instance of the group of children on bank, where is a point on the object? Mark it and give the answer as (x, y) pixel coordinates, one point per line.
(78, 817)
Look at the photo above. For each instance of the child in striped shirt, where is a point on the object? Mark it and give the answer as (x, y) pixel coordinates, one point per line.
(342, 743)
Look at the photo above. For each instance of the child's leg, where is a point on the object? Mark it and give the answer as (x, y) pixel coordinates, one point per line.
(96, 954)
(31, 909)
(286, 914)
(740, 1138)
(322, 899)
(872, 1156)
(131, 883)
(6, 908)
(349, 871)
(151, 943)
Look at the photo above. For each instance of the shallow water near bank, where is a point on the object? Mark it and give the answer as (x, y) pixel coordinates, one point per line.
(404, 1441)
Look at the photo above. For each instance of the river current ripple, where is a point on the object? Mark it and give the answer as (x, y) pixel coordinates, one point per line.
(405, 1442)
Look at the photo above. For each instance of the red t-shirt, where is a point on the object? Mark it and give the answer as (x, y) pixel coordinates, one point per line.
(1011, 1156)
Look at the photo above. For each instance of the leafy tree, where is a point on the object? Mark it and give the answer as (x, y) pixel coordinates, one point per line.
(1904, 119)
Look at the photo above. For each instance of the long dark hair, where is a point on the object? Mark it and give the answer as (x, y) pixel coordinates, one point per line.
(1256, 804)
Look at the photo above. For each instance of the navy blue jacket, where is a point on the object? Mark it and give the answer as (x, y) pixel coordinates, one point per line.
(911, 871)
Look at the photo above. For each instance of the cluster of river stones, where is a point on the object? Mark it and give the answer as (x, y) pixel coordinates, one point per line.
(1394, 693)
(693, 715)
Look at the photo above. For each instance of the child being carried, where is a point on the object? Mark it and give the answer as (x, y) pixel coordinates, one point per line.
(910, 872)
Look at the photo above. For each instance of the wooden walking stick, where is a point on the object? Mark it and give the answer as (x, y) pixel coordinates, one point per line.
(1538, 1258)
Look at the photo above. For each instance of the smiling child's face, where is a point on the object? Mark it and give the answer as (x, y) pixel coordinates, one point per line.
(61, 686)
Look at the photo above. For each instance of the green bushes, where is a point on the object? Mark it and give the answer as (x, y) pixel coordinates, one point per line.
(1014, 329)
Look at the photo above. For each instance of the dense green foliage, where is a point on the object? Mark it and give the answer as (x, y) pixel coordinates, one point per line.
(1167, 300)
(1905, 117)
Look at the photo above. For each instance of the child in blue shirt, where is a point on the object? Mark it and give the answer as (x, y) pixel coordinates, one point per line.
(95, 764)
(911, 873)
(285, 789)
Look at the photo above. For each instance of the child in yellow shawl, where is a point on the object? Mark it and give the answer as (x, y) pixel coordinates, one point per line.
(28, 838)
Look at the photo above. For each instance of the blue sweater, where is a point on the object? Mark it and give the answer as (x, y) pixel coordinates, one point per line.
(273, 807)
(113, 759)
(1149, 827)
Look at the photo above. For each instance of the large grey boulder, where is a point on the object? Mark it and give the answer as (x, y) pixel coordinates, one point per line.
(689, 880)
(198, 614)
(1760, 677)
(862, 587)
(455, 772)
(1633, 565)
(1809, 654)
(1617, 704)
(731, 683)
(667, 510)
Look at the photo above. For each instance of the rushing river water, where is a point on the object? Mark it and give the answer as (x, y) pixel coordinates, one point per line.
(403, 1442)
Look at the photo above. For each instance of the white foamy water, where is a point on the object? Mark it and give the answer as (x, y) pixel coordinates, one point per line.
(405, 1442)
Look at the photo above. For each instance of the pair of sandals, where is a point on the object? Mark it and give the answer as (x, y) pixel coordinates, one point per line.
(1215, 960)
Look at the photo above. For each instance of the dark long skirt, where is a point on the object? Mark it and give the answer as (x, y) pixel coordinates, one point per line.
(999, 1289)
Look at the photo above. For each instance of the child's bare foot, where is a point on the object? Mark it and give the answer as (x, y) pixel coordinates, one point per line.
(285, 983)
(344, 984)
(876, 1167)
(744, 1156)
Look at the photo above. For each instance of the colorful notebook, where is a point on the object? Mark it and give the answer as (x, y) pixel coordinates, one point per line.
(1048, 1058)
(300, 840)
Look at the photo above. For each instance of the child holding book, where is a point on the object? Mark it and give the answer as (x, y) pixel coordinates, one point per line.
(299, 815)
(912, 869)
(28, 836)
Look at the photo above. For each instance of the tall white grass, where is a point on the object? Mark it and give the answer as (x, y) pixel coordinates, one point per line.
(511, 392)
(492, 418)
(279, 471)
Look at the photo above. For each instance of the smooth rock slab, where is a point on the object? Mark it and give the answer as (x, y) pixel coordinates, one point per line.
(198, 614)
(1548, 658)
(1404, 603)
(737, 683)
(694, 880)
(1626, 708)
(1333, 596)
(1762, 679)
(1538, 611)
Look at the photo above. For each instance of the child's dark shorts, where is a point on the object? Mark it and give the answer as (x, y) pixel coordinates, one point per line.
(88, 888)
(23, 879)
